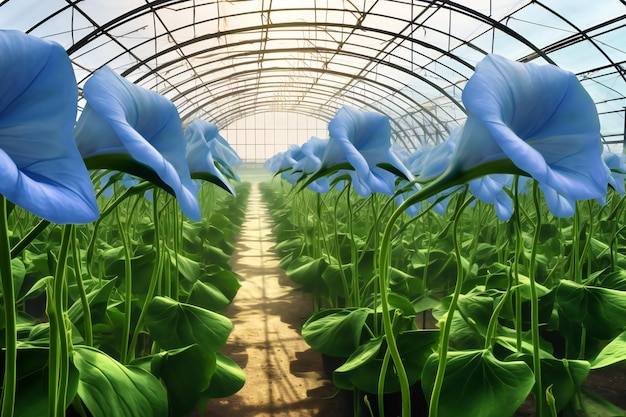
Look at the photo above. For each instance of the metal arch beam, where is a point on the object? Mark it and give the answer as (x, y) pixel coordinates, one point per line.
(305, 24)
(452, 6)
(581, 34)
(240, 78)
(321, 51)
(250, 109)
(324, 71)
(255, 92)
(326, 91)
(283, 69)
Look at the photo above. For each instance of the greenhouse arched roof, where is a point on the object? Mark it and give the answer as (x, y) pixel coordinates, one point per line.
(223, 60)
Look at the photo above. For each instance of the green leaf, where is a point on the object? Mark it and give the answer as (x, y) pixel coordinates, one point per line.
(335, 332)
(565, 376)
(207, 295)
(189, 269)
(612, 353)
(186, 373)
(479, 385)
(596, 406)
(227, 379)
(99, 296)
(362, 369)
(307, 271)
(175, 325)
(110, 389)
(601, 311)
(37, 288)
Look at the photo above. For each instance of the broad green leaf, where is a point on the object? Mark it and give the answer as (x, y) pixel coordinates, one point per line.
(110, 389)
(335, 332)
(32, 381)
(612, 353)
(207, 295)
(174, 325)
(189, 269)
(227, 379)
(364, 366)
(479, 385)
(307, 271)
(100, 295)
(36, 289)
(333, 279)
(596, 406)
(565, 376)
(226, 281)
(186, 372)
(601, 311)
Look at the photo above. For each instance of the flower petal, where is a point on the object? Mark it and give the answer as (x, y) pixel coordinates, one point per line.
(539, 117)
(121, 117)
(42, 170)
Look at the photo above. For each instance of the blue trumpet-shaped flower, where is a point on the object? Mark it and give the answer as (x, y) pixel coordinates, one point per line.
(617, 165)
(41, 169)
(312, 152)
(123, 118)
(542, 120)
(201, 137)
(490, 189)
(363, 140)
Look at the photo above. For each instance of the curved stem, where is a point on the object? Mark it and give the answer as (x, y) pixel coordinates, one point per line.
(59, 344)
(88, 325)
(154, 279)
(356, 290)
(445, 332)
(10, 315)
(29, 237)
(342, 273)
(128, 286)
(534, 305)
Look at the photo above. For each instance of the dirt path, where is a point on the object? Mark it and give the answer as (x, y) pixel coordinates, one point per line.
(284, 376)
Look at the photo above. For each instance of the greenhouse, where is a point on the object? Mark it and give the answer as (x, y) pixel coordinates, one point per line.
(338, 208)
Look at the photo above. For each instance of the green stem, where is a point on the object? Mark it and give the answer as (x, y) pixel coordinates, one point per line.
(381, 383)
(445, 331)
(59, 345)
(342, 273)
(154, 279)
(534, 304)
(128, 286)
(29, 237)
(82, 294)
(10, 315)
(356, 291)
(519, 250)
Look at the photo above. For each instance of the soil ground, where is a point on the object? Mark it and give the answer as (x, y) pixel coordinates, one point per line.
(284, 377)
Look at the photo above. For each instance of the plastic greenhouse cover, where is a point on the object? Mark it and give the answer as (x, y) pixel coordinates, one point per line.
(224, 60)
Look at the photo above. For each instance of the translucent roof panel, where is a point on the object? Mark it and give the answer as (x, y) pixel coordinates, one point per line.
(231, 60)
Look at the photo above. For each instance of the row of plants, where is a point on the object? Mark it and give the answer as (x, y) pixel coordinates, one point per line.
(472, 274)
(116, 232)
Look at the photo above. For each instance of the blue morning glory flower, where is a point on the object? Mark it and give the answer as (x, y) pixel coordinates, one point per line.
(617, 165)
(363, 140)
(490, 189)
(42, 170)
(201, 143)
(542, 120)
(123, 118)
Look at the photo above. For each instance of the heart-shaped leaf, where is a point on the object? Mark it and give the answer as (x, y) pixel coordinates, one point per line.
(110, 389)
(335, 332)
(174, 325)
(477, 384)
